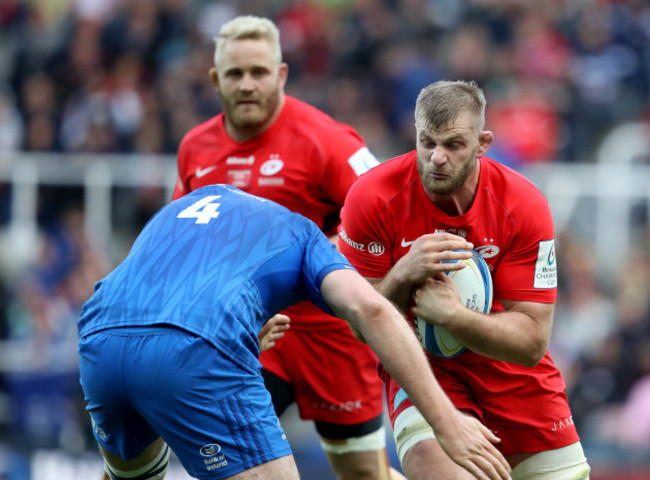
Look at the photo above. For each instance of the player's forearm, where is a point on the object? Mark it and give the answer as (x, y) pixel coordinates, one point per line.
(402, 356)
(392, 339)
(508, 336)
(394, 289)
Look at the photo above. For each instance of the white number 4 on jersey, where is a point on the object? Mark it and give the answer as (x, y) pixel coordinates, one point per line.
(203, 210)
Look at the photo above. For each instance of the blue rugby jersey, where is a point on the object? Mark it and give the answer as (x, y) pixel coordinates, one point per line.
(217, 262)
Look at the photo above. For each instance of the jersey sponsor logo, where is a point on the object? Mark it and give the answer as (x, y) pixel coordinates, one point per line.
(460, 233)
(210, 450)
(270, 181)
(98, 430)
(546, 266)
(356, 245)
(455, 231)
(213, 458)
(406, 244)
(239, 178)
(362, 161)
(240, 160)
(202, 172)
(272, 166)
(347, 406)
(487, 251)
(376, 249)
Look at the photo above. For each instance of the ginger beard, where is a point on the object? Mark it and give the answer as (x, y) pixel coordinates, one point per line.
(453, 180)
(250, 113)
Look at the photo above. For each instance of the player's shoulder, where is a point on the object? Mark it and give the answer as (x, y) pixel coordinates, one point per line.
(308, 120)
(204, 132)
(389, 182)
(392, 174)
(509, 184)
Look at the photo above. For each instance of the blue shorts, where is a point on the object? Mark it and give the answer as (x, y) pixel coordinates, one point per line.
(142, 383)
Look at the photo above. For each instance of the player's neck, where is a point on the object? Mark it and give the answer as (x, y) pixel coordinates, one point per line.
(458, 203)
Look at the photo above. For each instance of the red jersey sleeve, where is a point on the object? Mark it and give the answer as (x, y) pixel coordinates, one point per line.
(344, 157)
(344, 163)
(364, 235)
(181, 187)
(528, 270)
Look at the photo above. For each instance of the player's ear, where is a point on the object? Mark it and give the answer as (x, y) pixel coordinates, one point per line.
(484, 142)
(214, 76)
(283, 74)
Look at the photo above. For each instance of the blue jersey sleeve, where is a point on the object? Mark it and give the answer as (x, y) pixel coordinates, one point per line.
(321, 258)
(295, 274)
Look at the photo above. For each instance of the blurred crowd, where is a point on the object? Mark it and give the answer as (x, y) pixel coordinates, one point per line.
(119, 76)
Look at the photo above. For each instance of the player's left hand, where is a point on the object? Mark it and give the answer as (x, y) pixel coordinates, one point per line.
(437, 300)
(272, 331)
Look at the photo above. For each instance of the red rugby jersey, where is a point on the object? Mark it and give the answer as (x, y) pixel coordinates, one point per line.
(509, 223)
(306, 161)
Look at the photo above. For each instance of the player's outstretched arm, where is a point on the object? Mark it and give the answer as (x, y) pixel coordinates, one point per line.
(464, 439)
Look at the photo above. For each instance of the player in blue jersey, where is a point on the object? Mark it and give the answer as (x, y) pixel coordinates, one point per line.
(169, 342)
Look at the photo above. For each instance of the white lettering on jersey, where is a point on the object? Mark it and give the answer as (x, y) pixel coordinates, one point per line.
(270, 182)
(357, 246)
(240, 160)
(362, 161)
(546, 266)
(239, 178)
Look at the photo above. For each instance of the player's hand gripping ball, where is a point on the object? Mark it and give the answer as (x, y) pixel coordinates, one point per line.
(474, 284)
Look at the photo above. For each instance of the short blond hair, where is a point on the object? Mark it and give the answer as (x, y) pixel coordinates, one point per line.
(249, 27)
(440, 103)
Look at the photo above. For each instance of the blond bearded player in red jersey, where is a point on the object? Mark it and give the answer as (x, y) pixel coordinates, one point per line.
(275, 146)
(409, 210)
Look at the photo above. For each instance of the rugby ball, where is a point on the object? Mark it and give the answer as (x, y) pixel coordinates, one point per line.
(474, 284)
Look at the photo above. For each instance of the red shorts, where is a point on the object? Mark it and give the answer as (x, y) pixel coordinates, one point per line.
(333, 374)
(526, 407)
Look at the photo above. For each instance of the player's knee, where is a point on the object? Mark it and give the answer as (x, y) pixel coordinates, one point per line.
(366, 465)
(366, 443)
(410, 429)
(154, 470)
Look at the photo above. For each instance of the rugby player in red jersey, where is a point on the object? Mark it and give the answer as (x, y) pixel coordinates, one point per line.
(398, 226)
(272, 145)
